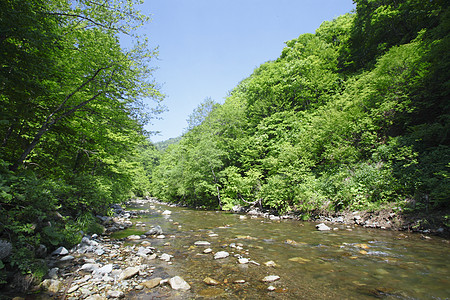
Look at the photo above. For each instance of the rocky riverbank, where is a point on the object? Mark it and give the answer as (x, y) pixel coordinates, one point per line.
(104, 268)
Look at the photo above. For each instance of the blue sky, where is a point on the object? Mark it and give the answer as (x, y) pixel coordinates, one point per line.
(206, 47)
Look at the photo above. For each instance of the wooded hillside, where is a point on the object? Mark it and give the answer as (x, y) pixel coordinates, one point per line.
(355, 116)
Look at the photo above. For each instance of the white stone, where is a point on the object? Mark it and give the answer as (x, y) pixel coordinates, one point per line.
(243, 260)
(271, 278)
(134, 237)
(115, 294)
(322, 227)
(165, 257)
(106, 269)
(60, 251)
(67, 258)
(90, 267)
(207, 250)
(221, 254)
(202, 243)
(178, 283)
(166, 212)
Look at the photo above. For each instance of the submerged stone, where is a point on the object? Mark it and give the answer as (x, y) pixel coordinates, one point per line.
(221, 254)
(271, 278)
(178, 283)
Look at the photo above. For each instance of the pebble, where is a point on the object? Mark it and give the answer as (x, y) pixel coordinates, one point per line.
(221, 254)
(270, 263)
(202, 243)
(165, 257)
(243, 260)
(115, 294)
(210, 281)
(322, 227)
(271, 278)
(67, 258)
(152, 282)
(207, 250)
(128, 273)
(60, 251)
(178, 283)
(239, 281)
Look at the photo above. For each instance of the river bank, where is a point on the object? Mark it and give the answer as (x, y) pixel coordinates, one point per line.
(104, 268)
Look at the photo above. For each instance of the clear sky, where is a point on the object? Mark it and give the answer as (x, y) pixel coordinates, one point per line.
(206, 47)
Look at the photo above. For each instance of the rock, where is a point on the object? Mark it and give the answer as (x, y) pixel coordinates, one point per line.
(95, 297)
(134, 237)
(73, 288)
(202, 243)
(115, 294)
(41, 251)
(207, 250)
(243, 260)
(157, 230)
(144, 251)
(67, 258)
(271, 288)
(178, 283)
(299, 260)
(322, 227)
(221, 254)
(210, 281)
(90, 267)
(52, 285)
(271, 278)
(239, 281)
(166, 212)
(254, 262)
(106, 269)
(340, 219)
(53, 273)
(151, 283)
(60, 251)
(270, 263)
(99, 251)
(165, 257)
(128, 273)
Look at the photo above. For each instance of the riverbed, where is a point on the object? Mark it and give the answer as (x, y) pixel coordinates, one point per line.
(348, 262)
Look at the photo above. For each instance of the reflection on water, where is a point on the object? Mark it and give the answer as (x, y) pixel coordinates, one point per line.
(348, 263)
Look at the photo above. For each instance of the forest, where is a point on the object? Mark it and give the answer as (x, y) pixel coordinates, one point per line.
(352, 117)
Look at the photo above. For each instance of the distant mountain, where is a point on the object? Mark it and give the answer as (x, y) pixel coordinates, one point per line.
(162, 146)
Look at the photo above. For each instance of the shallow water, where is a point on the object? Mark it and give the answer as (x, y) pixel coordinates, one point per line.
(348, 263)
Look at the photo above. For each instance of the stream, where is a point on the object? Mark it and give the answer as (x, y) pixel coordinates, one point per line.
(346, 263)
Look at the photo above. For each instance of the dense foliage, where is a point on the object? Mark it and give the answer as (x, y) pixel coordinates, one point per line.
(72, 113)
(355, 116)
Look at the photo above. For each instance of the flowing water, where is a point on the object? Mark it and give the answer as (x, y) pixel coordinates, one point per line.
(348, 263)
